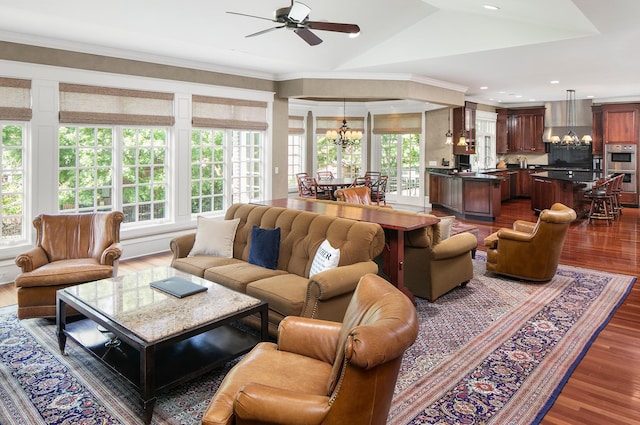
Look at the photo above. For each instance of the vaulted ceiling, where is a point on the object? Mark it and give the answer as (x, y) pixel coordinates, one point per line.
(590, 46)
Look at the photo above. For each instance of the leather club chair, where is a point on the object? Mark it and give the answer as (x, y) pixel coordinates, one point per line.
(530, 251)
(70, 249)
(356, 195)
(322, 372)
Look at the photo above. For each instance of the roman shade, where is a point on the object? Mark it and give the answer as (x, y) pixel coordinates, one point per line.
(81, 104)
(296, 125)
(237, 114)
(397, 123)
(333, 123)
(15, 99)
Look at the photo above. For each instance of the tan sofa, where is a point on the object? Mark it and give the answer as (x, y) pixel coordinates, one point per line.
(289, 289)
(433, 266)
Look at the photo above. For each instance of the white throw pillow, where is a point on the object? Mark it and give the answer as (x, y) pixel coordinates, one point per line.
(215, 237)
(445, 226)
(327, 257)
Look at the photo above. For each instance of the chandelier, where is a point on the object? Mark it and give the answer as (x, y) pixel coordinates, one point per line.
(571, 137)
(344, 136)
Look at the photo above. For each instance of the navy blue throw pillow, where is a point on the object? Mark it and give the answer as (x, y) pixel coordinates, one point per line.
(265, 247)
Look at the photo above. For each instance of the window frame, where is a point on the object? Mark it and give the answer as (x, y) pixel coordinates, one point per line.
(27, 191)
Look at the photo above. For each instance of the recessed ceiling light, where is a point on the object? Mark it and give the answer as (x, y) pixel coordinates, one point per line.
(554, 82)
(484, 88)
(491, 7)
(502, 92)
(532, 100)
(590, 96)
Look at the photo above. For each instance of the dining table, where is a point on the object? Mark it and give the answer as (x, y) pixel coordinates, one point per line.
(396, 225)
(331, 185)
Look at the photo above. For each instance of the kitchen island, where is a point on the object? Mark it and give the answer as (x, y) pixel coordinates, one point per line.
(469, 194)
(565, 187)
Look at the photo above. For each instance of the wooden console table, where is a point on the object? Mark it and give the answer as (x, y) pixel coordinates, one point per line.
(396, 224)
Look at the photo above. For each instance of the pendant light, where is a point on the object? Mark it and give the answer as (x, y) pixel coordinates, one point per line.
(344, 136)
(448, 135)
(462, 141)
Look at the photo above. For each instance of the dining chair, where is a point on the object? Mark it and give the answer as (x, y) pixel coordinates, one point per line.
(309, 188)
(379, 190)
(325, 175)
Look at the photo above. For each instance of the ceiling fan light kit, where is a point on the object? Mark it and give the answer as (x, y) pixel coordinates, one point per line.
(296, 18)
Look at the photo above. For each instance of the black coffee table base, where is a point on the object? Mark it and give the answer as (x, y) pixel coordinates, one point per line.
(151, 367)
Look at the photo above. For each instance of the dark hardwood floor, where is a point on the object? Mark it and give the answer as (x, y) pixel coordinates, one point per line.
(605, 386)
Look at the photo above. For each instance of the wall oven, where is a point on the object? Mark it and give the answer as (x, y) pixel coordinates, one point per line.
(622, 159)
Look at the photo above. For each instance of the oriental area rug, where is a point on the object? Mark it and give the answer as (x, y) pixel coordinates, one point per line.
(495, 352)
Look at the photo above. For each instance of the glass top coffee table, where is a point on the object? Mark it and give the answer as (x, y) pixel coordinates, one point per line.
(155, 340)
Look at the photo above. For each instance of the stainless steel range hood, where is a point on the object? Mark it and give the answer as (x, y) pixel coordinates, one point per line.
(555, 119)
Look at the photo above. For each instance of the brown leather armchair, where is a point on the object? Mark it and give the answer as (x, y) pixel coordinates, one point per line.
(530, 251)
(70, 249)
(356, 195)
(323, 372)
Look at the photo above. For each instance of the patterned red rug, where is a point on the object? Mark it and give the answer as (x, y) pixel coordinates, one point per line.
(497, 351)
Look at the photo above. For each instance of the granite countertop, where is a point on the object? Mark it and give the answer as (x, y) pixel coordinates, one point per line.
(466, 174)
(575, 176)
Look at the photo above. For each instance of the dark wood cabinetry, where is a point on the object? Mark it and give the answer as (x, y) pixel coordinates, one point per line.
(464, 118)
(525, 183)
(620, 123)
(466, 193)
(597, 129)
(520, 130)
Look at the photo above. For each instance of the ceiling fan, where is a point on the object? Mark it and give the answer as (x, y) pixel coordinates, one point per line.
(296, 18)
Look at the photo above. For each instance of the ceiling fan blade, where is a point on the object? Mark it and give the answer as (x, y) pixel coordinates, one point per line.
(264, 31)
(308, 36)
(333, 26)
(252, 16)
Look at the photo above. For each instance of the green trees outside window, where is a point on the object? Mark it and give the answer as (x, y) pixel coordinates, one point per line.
(12, 190)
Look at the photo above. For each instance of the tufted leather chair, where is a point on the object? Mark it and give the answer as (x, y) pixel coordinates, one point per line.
(70, 249)
(323, 372)
(530, 251)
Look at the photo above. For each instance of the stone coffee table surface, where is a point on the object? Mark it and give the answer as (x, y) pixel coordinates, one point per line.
(153, 315)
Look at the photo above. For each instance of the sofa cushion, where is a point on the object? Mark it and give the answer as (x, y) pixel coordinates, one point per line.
(264, 247)
(214, 237)
(65, 272)
(327, 257)
(285, 294)
(445, 226)
(236, 276)
(198, 264)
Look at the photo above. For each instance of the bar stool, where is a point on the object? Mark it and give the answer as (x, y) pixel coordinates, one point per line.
(615, 192)
(601, 196)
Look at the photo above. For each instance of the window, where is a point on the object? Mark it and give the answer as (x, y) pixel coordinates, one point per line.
(296, 151)
(399, 138)
(144, 174)
(113, 151)
(85, 169)
(227, 152)
(12, 189)
(207, 171)
(344, 162)
(485, 156)
(90, 157)
(15, 110)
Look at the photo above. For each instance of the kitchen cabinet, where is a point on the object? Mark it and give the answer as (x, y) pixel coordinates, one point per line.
(464, 118)
(597, 129)
(469, 194)
(525, 183)
(620, 123)
(520, 130)
(502, 132)
(550, 187)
